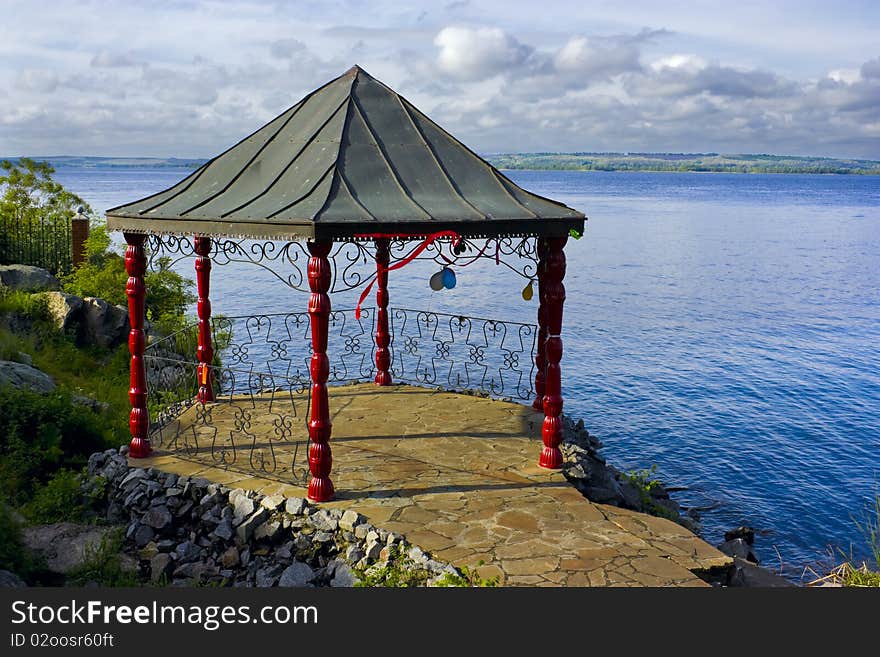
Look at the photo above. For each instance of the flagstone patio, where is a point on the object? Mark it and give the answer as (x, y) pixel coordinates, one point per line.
(458, 476)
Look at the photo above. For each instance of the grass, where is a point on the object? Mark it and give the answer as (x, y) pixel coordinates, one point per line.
(645, 482)
(850, 574)
(398, 572)
(104, 565)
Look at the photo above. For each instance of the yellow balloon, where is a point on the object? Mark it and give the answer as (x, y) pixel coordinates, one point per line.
(528, 292)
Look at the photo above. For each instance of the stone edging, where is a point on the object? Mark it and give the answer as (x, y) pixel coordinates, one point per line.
(186, 530)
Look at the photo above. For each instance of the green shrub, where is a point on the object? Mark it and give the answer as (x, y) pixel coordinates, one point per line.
(31, 306)
(13, 555)
(103, 275)
(396, 573)
(60, 499)
(41, 434)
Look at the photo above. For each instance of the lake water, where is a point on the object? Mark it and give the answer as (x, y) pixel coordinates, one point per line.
(723, 327)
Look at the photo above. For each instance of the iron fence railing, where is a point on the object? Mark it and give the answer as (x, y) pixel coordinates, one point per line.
(261, 383)
(38, 242)
(463, 353)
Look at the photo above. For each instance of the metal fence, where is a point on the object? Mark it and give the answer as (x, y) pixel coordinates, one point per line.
(33, 241)
(261, 383)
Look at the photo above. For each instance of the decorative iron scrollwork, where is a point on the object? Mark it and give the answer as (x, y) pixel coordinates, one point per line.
(463, 353)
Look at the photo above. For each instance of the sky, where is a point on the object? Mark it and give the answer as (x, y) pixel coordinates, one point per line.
(188, 78)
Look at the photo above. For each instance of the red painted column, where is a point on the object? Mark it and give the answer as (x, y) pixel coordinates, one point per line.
(551, 432)
(541, 346)
(205, 350)
(138, 419)
(320, 458)
(383, 335)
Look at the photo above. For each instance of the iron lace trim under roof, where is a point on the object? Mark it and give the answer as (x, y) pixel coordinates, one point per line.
(351, 158)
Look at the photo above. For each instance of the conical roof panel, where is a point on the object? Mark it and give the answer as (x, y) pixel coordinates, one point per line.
(351, 158)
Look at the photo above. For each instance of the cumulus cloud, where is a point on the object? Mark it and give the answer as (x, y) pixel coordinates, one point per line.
(199, 79)
(478, 53)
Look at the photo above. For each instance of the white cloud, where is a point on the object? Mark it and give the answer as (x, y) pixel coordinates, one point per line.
(189, 79)
(476, 54)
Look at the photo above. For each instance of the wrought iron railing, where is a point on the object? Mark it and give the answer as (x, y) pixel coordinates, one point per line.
(261, 383)
(463, 353)
(260, 379)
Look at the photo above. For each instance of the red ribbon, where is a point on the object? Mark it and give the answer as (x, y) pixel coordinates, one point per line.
(429, 239)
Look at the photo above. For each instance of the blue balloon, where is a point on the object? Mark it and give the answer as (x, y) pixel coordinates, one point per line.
(448, 278)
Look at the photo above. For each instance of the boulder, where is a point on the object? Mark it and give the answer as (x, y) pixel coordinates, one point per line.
(161, 566)
(27, 278)
(297, 574)
(63, 545)
(749, 575)
(739, 549)
(25, 377)
(158, 517)
(745, 533)
(64, 309)
(103, 324)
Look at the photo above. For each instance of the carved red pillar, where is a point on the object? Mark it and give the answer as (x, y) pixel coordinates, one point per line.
(541, 346)
(320, 458)
(205, 350)
(554, 273)
(383, 335)
(138, 419)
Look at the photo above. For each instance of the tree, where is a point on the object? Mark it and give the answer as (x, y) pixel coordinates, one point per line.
(35, 214)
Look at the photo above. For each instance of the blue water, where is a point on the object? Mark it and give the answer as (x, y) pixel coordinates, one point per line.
(723, 327)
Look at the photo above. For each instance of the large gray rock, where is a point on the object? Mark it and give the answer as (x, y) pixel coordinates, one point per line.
(158, 517)
(25, 377)
(11, 580)
(297, 574)
(64, 309)
(749, 575)
(103, 324)
(63, 545)
(27, 278)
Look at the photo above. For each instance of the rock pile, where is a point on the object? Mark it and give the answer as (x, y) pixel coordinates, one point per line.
(188, 530)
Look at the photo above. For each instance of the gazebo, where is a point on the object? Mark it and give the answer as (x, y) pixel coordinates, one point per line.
(352, 171)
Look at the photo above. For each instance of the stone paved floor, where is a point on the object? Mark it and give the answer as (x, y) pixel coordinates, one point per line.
(458, 476)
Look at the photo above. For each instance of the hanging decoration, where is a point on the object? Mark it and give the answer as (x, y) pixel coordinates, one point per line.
(529, 290)
(436, 281)
(429, 239)
(448, 278)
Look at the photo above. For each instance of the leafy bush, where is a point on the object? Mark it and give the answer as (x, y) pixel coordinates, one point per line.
(103, 275)
(31, 306)
(60, 499)
(41, 434)
(13, 555)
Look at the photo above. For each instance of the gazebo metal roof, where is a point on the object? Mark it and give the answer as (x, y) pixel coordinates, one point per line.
(352, 157)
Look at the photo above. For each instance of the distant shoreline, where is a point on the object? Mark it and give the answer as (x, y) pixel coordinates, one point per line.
(683, 163)
(622, 162)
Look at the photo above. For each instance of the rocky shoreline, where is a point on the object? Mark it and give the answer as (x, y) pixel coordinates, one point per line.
(184, 531)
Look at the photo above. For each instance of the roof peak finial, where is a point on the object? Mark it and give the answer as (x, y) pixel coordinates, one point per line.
(356, 70)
